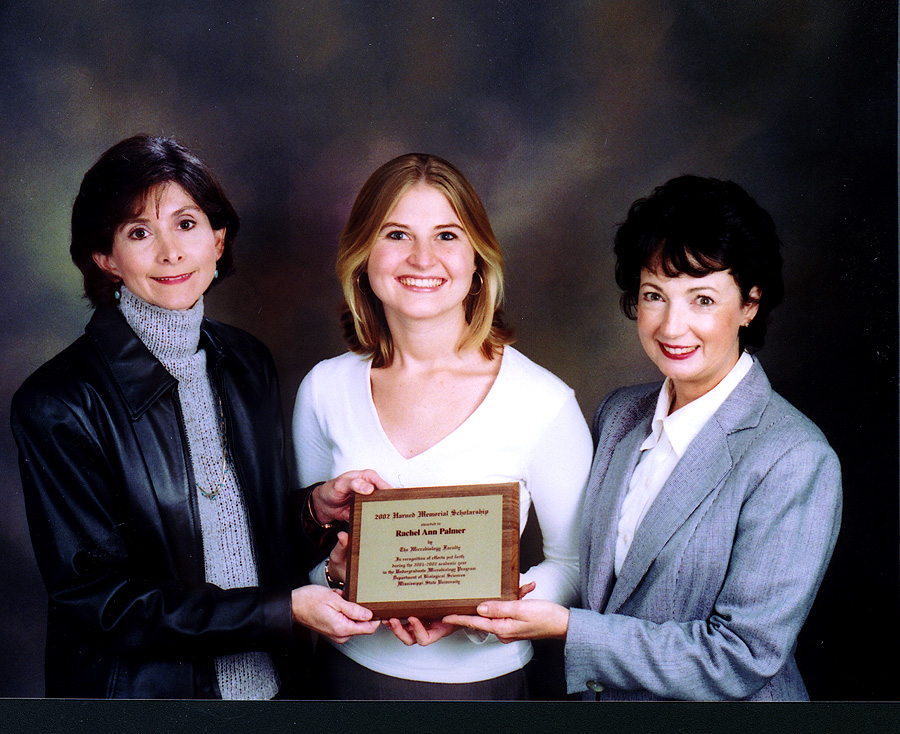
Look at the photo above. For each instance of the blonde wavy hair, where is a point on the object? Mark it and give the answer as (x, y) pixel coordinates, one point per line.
(362, 315)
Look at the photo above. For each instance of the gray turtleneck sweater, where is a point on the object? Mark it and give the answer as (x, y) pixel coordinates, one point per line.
(173, 338)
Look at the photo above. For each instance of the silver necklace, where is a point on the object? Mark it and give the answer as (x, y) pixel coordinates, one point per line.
(213, 493)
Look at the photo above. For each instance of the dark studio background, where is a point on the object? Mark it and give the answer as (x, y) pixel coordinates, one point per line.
(561, 114)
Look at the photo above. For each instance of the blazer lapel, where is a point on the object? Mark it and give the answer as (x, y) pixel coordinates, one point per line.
(705, 464)
(605, 514)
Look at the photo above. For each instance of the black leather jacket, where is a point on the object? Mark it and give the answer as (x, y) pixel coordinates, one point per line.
(114, 518)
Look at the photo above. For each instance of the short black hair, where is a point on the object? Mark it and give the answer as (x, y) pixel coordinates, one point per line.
(114, 189)
(694, 226)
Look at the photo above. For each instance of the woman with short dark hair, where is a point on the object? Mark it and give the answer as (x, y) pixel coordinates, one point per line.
(713, 505)
(152, 459)
(115, 188)
(693, 226)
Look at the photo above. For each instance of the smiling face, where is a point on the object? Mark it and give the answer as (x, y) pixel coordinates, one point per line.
(689, 328)
(421, 264)
(166, 255)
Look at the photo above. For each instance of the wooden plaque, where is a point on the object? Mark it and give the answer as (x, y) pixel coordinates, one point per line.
(430, 551)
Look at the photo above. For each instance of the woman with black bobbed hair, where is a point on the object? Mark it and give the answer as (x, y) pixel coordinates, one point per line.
(713, 505)
(152, 459)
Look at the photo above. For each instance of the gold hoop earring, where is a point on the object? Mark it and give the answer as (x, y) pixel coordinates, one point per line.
(359, 283)
(480, 284)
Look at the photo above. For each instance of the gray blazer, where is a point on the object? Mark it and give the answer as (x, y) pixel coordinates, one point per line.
(723, 569)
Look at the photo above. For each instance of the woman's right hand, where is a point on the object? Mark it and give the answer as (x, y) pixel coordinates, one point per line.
(526, 619)
(326, 611)
(331, 500)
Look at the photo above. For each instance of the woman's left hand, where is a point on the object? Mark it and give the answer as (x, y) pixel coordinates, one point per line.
(418, 632)
(331, 500)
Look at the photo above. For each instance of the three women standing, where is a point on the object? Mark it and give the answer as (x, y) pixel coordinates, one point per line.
(152, 454)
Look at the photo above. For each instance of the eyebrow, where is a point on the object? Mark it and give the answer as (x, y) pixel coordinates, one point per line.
(697, 289)
(177, 213)
(388, 225)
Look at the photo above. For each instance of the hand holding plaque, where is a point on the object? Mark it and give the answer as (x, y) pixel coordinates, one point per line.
(432, 551)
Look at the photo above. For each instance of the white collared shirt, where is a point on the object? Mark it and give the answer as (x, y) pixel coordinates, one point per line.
(669, 438)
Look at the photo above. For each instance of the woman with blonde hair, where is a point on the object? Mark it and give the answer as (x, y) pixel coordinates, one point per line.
(431, 393)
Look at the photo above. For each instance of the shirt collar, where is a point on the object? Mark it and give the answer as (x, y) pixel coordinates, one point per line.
(685, 423)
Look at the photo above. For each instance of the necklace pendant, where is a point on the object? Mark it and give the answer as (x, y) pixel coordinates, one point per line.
(209, 495)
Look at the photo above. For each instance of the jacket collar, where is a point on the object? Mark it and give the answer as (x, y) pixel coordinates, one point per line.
(141, 378)
(708, 460)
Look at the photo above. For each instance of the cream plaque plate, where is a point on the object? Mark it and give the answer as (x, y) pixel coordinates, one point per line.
(431, 551)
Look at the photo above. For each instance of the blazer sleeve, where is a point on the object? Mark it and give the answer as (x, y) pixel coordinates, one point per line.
(783, 540)
(82, 537)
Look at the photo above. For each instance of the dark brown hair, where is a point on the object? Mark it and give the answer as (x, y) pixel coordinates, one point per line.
(114, 190)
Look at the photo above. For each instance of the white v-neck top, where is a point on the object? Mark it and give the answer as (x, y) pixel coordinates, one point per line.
(528, 428)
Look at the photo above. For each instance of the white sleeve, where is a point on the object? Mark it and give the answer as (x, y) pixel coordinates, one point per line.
(312, 448)
(557, 478)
